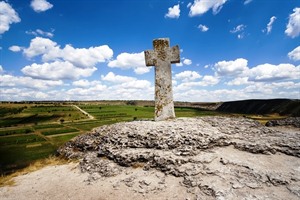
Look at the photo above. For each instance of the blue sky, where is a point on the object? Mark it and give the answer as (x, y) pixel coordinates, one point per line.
(93, 49)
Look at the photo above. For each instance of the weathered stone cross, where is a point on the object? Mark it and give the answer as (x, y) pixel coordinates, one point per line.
(161, 57)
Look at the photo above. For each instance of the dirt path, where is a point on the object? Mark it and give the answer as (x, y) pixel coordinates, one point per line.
(84, 112)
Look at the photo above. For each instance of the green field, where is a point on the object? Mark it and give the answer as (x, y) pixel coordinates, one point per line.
(34, 131)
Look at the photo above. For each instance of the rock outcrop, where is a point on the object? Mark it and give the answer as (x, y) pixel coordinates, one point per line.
(213, 157)
(290, 121)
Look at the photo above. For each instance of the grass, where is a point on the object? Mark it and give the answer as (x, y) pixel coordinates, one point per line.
(20, 139)
(14, 131)
(59, 131)
(263, 119)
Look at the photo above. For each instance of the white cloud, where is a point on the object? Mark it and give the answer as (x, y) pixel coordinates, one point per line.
(111, 77)
(40, 5)
(137, 84)
(15, 48)
(129, 89)
(293, 26)
(39, 46)
(179, 64)
(270, 24)
(237, 29)
(173, 12)
(203, 28)
(247, 2)
(238, 81)
(209, 80)
(241, 36)
(83, 83)
(27, 82)
(1, 69)
(7, 16)
(187, 85)
(268, 72)
(57, 70)
(41, 33)
(187, 61)
(231, 68)
(184, 61)
(187, 76)
(63, 63)
(84, 58)
(80, 57)
(135, 61)
(295, 54)
(17, 94)
(200, 7)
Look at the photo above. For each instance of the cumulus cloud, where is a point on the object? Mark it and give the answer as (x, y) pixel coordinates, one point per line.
(1, 69)
(119, 88)
(39, 32)
(184, 61)
(187, 61)
(15, 48)
(295, 54)
(18, 94)
(83, 83)
(39, 46)
(173, 12)
(200, 7)
(203, 28)
(293, 26)
(135, 61)
(27, 82)
(40, 5)
(238, 81)
(209, 80)
(63, 63)
(268, 72)
(270, 25)
(187, 76)
(111, 77)
(57, 70)
(137, 84)
(80, 57)
(231, 68)
(7, 16)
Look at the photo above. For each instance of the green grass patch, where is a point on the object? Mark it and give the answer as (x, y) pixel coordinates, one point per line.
(45, 126)
(59, 131)
(61, 139)
(14, 157)
(13, 131)
(20, 139)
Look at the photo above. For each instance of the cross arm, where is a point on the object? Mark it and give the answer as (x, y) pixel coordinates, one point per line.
(175, 55)
(150, 58)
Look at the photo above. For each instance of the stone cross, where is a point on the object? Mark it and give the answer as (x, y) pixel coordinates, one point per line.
(161, 57)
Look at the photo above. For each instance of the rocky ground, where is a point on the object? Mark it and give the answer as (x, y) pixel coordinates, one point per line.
(185, 158)
(290, 121)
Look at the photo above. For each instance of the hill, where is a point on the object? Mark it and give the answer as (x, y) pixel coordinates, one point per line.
(289, 107)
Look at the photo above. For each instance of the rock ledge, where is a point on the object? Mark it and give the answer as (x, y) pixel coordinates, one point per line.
(213, 157)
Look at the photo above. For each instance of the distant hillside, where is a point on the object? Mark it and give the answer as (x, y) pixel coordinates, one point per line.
(281, 106)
